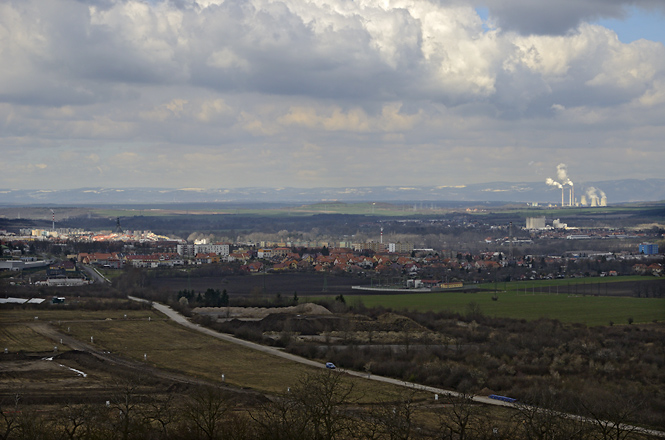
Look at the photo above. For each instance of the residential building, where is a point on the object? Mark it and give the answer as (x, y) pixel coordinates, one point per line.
(400, 248)
(648, 248)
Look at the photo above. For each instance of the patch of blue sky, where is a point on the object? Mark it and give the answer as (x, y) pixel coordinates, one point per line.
(638, 23)
(484, 15)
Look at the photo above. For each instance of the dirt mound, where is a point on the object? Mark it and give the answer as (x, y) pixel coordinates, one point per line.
(303, 324)
(262, 312)
(398, 323)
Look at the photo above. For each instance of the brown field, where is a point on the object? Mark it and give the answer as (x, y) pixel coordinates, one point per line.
(136, 346)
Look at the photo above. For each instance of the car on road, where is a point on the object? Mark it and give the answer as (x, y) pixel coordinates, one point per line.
(330, 365)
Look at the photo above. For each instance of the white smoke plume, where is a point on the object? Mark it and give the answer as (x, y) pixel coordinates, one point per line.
(595, 192)
(562, 174)
(552, 182)
(592, 194)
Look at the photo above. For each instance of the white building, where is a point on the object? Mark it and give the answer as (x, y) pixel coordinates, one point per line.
(219, 249)
(535, 222)
(400, 248)
(186, 250)
(557, 224)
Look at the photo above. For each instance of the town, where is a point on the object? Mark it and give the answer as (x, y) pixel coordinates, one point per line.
(532, 251)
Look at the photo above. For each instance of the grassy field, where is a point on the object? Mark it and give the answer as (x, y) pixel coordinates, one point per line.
(533, 300)
(171, 347)
(56, 315)
(20, 337)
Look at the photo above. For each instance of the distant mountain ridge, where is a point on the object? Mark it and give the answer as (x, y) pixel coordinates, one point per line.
(617, 191)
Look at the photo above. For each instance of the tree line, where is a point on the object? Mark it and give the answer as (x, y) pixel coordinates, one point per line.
(323, 405)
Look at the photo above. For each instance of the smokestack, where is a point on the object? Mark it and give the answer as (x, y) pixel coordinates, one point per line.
(551, 182)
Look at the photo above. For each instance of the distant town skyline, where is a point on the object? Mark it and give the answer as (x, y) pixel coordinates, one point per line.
(328, 93)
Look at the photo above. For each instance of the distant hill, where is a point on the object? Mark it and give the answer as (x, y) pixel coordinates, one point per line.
(617, 191)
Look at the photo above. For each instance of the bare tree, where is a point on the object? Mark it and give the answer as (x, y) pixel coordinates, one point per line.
(9, 416)
(313, 409)
(33, 426)
(281, 419)
(76, 421)
(323, 395)
(163, 412)
(609, 414)
(206, 411)
(392, 419)
(540, 417)
(125, 402)
(460, 417)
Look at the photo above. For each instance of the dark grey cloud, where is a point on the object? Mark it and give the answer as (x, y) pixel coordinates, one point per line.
(560, 16)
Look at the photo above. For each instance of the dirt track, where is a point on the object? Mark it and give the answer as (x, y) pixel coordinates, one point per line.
(86, 375)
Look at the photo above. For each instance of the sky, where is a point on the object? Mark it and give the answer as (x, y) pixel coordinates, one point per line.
(328, 93)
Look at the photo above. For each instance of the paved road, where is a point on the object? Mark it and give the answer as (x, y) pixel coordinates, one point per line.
(96, 276)
(180, 319)
(177, 317)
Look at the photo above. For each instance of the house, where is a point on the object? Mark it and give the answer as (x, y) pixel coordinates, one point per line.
(239, 256)
(264, 253)
(206, 258)
(280, 252)
(253, 267)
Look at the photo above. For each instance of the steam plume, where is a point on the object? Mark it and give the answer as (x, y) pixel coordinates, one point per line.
(551, 182)
(562, 174)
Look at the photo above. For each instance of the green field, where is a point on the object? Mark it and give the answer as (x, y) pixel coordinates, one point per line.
(533, 300)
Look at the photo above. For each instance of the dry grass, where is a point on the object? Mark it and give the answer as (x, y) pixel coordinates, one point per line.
(20, 337)
(63, 315)
(172, 347)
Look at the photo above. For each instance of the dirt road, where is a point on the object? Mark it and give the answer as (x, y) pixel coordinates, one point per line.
(48, 331)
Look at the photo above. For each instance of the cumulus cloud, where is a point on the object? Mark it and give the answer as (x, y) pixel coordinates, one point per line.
(267, 79)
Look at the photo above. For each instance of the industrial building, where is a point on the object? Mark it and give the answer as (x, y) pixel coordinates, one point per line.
(648, 248)
(535, 222)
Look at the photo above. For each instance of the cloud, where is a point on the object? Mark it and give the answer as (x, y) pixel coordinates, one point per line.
(421, 84)
(530, 17)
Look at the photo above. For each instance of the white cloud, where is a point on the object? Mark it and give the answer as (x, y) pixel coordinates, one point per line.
(343, 87)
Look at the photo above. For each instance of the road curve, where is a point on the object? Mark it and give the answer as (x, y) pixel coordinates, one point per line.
(182, 320)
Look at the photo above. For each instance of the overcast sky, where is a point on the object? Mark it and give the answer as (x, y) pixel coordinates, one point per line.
(314, 93)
